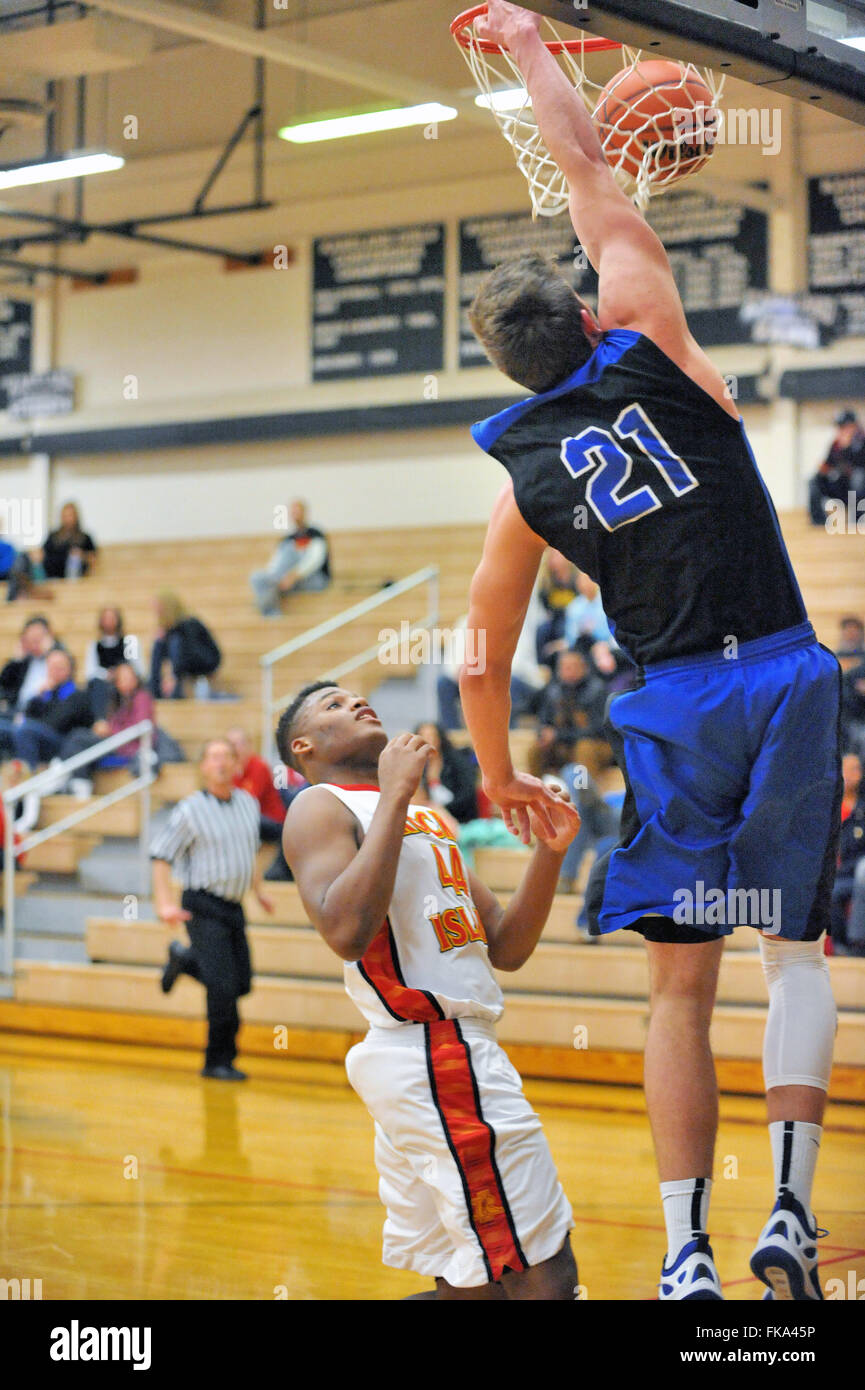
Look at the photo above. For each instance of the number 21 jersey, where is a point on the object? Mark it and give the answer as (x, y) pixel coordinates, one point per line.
(640, 478)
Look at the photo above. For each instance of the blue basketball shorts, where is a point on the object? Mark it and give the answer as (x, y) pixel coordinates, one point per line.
(733, 795)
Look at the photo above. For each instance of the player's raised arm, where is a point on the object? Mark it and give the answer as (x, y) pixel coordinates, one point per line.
(636, 286)
(498, 601)
(513, 932)
(345, 887)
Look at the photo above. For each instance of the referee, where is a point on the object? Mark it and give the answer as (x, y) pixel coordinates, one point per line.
(212, 840)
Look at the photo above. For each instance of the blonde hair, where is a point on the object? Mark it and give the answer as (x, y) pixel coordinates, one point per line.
(170, 608)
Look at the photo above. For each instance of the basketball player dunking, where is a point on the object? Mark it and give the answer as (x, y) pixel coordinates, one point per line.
(466, 1176)
(631, 459)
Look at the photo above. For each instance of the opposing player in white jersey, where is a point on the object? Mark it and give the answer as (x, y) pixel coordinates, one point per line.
(471, 1192)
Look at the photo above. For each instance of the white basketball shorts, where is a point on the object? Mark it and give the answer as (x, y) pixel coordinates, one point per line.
(466, 1175)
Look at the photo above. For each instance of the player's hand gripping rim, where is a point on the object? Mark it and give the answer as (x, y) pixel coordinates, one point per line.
(503, 22)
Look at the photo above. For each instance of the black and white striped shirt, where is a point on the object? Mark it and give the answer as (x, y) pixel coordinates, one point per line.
(212, 842)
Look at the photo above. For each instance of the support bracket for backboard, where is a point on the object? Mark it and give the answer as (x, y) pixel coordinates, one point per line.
(780, 44)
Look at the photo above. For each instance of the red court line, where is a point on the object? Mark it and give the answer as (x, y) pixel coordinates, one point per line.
(194, 1172)
(847, 1253)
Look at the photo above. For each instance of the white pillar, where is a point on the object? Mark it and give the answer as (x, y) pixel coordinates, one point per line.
(788, 274)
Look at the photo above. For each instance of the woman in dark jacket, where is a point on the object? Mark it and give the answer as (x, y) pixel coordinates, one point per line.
(65, 551)
(450, 777)
(183, 648)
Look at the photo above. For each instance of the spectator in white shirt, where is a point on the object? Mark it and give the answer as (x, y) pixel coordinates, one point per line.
(301, 561)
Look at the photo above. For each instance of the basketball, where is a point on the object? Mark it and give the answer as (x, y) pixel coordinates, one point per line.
(660, 107)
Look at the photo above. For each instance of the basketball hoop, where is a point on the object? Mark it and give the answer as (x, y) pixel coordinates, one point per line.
(647, 144)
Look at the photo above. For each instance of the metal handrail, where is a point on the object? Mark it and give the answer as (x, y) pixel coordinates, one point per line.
(48, 779)
(270, 707)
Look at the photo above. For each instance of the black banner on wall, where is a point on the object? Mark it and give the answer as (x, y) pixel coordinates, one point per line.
(836, 247)
(16, 335)
(719, 252)
(378, 303)
(486, 241)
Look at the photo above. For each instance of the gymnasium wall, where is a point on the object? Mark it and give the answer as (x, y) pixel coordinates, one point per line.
(349, 481)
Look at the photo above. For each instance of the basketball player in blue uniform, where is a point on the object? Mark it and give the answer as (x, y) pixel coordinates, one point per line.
(631, 459)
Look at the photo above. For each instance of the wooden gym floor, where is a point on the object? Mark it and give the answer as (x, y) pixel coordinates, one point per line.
(124, 1175)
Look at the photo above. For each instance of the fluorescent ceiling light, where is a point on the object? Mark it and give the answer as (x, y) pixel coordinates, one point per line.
(49, 170)
(337, 127)
(509, 100)
(855, 43)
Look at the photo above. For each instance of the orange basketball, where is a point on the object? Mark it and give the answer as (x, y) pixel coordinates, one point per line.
(657, 104)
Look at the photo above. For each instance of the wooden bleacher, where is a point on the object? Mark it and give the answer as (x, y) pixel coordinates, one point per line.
(568, 985)
(575, 1001)
(212, 579)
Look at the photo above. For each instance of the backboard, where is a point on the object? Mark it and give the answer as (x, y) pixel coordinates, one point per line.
(811, 50)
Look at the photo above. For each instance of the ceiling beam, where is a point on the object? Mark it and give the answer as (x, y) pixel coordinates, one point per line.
(77, 230)
(269, 44)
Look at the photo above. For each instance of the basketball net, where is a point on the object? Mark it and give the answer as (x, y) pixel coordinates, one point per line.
(664, 161)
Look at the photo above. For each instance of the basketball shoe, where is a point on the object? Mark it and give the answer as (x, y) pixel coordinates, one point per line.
(692, 1274)
(785, 1257)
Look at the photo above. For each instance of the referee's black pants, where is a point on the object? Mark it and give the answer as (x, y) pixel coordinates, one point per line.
(219, 958)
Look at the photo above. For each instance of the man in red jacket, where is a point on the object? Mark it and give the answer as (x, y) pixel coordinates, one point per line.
(255, 776)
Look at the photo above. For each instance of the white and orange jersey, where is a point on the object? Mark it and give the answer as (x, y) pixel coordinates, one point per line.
(429, 960)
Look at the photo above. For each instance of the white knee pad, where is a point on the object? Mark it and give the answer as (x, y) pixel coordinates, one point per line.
(800, 1030)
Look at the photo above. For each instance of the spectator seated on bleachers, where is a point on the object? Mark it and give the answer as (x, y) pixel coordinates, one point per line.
(585, 619)
(451, 775)
(842, 471)
(300, 562)
(487, 832)
(17, 569)
(65, 551)
(853, 709)
(848, 894)
(850, 650)
(294, 784)
(599, 823)
(129, 703)
(49, 716)
(255, 776)
(571, 720)
(585, 629)
(110, 649)
(557, 587)
(24, 674)
(183, 649)
(424, 796)
(528, 678)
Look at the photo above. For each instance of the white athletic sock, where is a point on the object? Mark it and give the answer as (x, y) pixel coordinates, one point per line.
(686, 1212)
(795, 1150)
